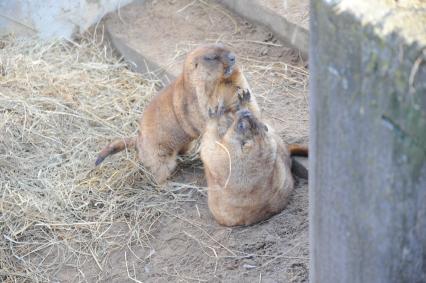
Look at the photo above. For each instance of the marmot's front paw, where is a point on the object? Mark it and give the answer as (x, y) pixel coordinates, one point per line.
(217, 111)
(243, 96)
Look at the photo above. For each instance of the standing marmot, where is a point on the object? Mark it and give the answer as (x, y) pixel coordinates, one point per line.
(177, 115)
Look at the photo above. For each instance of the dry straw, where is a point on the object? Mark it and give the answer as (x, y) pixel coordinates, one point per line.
(60, 102)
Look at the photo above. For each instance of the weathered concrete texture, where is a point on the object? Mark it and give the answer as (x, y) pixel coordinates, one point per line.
(141, 38)
(368, 141)
(295, 11)
(53, 18)
(286, 18)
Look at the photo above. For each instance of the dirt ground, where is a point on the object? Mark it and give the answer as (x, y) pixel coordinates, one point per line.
(190, 245)
(110, 224)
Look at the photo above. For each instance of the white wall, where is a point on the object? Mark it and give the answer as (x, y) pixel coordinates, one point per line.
(50, 18)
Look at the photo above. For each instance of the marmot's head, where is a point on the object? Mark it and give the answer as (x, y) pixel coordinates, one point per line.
(247, 133)
(247, 126)
(209, 63)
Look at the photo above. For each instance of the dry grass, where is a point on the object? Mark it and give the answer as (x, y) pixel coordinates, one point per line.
(60, 102)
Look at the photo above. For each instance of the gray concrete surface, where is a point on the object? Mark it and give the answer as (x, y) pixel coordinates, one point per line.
(368, 141)
(140, 61)
(279, 17)
(148, 41)
(53, 18)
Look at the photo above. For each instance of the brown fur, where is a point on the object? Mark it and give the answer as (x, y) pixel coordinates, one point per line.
(177, 115)
(247, 169)
(297, 149)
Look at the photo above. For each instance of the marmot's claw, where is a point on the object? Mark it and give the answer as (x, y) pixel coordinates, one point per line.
(240, 95)
(220, 110)
(217, 111)
(246, 95)
(211, 113)
(243, 95)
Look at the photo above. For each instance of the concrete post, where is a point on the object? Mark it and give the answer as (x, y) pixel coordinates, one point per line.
(368, 141)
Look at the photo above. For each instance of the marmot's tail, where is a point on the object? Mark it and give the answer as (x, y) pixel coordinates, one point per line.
(297, 149)
(116, 146)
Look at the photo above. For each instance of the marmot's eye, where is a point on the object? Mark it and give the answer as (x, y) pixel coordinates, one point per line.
(211, 57)
(241, 126)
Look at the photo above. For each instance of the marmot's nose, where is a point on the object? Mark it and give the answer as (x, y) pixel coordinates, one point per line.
(231, 58)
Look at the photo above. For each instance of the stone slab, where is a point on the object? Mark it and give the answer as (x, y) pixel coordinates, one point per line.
(288, 19)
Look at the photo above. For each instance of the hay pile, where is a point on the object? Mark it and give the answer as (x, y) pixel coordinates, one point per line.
(59, 103)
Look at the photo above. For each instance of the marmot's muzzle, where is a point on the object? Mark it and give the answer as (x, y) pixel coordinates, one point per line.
(229, 65)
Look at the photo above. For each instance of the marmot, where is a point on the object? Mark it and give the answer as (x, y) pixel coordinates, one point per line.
(247, 167)
(177, 115)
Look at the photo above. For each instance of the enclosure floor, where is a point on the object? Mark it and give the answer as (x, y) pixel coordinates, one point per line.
(277, 250)
(66, 220)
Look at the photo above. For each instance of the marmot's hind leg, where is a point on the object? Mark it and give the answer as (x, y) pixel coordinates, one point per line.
(164, 170)
(161, 165)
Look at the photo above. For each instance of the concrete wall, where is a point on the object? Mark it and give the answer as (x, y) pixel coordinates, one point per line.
(288, 31)
(50, 18)
(368, 141)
